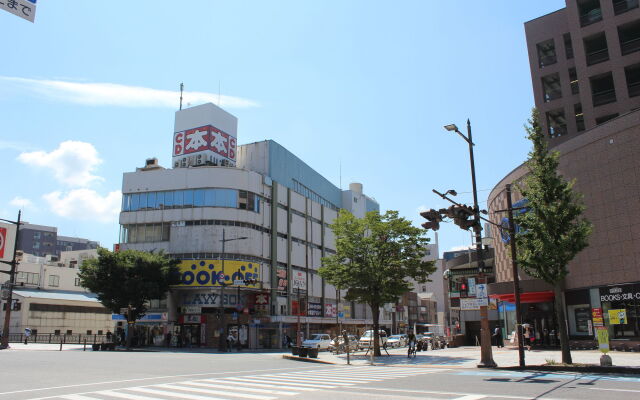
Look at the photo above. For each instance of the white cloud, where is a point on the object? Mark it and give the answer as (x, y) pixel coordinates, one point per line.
(85, 204)
(113, 94)
(22, 203)
(72, 163)
(12, 145)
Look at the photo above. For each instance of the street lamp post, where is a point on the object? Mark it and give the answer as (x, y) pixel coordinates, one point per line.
(486, 356)
(222, 343)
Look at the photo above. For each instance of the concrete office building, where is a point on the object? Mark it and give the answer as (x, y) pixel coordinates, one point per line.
(234, 213)
(41, 240)
(604, 279)
(585, 64)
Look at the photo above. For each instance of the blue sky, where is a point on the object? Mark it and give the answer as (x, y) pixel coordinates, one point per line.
(89, 91)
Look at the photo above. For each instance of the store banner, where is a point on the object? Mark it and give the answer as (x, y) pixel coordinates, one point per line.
(472, 287)
(603, 339)
(472, 303)
(314, 310)
(208, 273)
(618, 317)
(281, 272)
(346, 310)
(330, 310)
(620, 293)
(596, 316)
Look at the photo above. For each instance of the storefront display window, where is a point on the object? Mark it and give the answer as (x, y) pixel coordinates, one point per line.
(620, 307)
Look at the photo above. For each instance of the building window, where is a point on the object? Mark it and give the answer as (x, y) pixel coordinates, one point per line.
(577, 109)
(551, 87)
(605, 118)
(629, 36)
(36, 245)
(595, 48)
(546, 53)
(568, 46)
(602, 89)
(77, 282)
(632, 73)
(589, 11)
(54, 280)
(36, 235)
(573, 80)
(30, 278)
(622, 6)
(557, 125)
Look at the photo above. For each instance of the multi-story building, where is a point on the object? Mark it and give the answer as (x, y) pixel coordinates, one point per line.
(41, 240)
(585, 64)
(599, 41)
(250, 225)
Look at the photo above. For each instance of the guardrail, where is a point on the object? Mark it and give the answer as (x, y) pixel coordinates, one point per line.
(76, 338)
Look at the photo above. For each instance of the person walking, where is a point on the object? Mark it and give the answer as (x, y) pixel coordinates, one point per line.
(527, 337)
(411, 340)
(497, 334)
(230, 341)
(27, 333)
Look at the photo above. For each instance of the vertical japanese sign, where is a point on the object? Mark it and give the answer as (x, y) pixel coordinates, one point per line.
(603, 339)
(299, 280)
(7, 237)
(25, 9)
(596, 316)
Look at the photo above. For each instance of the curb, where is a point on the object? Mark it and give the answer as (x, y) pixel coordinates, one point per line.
(585, 369)
(306, 359)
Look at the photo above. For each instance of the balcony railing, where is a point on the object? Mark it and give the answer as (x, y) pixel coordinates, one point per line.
(630, 46)
(591, 17)
(597, 56)
(604, 97)
(634, 89)
(548, 60)
(621, 6)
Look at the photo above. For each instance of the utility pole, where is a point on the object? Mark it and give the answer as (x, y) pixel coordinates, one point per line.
(12, 281)
(222, 343)
(516, 278)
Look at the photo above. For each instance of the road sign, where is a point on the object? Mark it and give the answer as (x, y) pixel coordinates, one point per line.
(25, 9)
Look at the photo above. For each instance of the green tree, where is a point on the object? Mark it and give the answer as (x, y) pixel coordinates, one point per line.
(128, 278)
(374, 257)
(553, 230)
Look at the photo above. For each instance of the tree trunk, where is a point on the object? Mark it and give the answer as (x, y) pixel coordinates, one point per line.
(375, 311)
(562, 324)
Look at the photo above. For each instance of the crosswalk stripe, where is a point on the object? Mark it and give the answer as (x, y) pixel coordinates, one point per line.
(288, 381)
(173, 394)
(237, 386)
(354, 376)
(305, 380)
(252, 383)
(331, 378)
(78, 397)
(471, 397)
(125, 395)
(215, 392)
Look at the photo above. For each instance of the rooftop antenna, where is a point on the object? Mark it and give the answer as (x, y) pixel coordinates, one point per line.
(181, 88)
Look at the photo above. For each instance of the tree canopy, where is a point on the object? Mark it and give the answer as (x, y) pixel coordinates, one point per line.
(552, 231)
(128, 277)
(374, 257)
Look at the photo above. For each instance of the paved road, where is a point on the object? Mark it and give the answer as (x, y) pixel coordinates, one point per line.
(76, 375)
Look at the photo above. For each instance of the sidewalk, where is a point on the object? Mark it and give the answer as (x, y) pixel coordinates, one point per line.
(80, 347)
(469, 357)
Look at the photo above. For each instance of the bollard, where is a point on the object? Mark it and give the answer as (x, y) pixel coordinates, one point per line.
(85, 345)
(60, 344)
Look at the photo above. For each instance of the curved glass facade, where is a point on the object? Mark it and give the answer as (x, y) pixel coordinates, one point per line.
(230, 198)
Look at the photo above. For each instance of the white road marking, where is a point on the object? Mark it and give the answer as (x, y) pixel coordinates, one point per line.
(500, 396)
(237, 387)
(78, 397)
(173, 394)
(287, 382)
(331, 378)
(215, 392)
(305, 380)
(617, 390)
(142, 379)
(125, 395)
(471, 397)
(263, 385)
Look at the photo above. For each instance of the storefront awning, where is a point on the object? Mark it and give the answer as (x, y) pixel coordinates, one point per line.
(526, 297)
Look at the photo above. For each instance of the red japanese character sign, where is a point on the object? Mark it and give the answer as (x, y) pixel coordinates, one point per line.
(3, 241)
(202, 139)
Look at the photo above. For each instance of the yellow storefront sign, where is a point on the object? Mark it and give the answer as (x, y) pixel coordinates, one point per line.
(603, 339)
(208, 273)
(618, 317)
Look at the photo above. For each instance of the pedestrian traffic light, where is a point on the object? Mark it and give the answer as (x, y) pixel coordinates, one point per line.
(434, 219)
(462, 215)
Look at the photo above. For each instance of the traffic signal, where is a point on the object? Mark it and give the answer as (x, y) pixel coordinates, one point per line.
(434, 219)
(462, 216)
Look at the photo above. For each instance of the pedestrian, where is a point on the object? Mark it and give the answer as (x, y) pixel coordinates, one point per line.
(527, 337)
(411, 340)
(497, 334)
(27, 333)
(168, 338)
(230, 341)
(109, 336)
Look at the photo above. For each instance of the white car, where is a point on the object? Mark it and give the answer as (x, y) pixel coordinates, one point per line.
(397, 340)
(320, 341)
(367, 339)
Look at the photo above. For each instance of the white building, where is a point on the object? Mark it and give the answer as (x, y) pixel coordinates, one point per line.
(233, 213)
